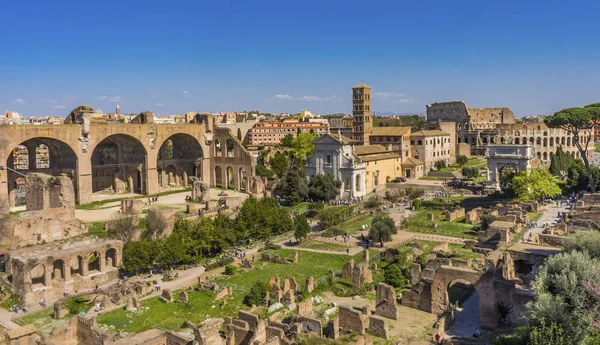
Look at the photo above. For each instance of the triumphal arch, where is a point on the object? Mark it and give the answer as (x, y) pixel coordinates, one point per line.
(514, 157)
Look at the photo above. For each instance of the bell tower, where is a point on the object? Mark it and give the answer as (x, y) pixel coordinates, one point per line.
(361, 113)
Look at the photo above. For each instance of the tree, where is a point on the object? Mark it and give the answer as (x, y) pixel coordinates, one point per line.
(470, 172)
(551, 334)
(258, 293)
(279, 164)
(139, 256)
(440, 164)
(580, 123)
(535, 184)
(239, 134)
(303, 147)
(263, 171)
(122, 227)
(562, 296)
(287, 140)
(324, 187)
(156, 223)
(584, 241)
(393, 276)
(560, 162)
(301, 228)
(462, 160)
(292, 187)
(382, 228)
(261, 219)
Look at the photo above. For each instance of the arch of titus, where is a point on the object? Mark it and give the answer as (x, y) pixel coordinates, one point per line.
(135, 157)
(517, 157)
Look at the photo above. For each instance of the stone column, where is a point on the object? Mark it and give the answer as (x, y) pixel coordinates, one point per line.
(48, 276)
(102, 259)
(67, 270)
(84, 178)
(84, 266)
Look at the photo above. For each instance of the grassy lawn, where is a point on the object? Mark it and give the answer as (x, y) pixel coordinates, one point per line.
(312, 244)
(44, 321)
(97, 229)
(473, 162)
(420, 223)
(172, 316)
(354, 224)
(299, 208)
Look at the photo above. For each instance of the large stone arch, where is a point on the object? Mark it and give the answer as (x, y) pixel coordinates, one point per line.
(60, 159)
(184, 153)
(119, 162)
(483, 283)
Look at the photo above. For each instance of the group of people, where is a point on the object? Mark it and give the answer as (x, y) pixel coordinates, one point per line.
(346, 202)
(16, 308)
(152, 199)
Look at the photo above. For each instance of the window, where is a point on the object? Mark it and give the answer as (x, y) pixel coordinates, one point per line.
(412, 142)
(328, 159)
(420, 142)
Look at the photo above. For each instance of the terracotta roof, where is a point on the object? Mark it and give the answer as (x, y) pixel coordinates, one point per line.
(390, 131)
(360, 86)
(369, 150)
(20, 332)
(411, 161)
(340, 138)
(429, 133)
(379, 157)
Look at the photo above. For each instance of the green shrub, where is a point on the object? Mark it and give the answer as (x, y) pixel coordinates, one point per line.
(373, 201)
(437, 204)
(461, 160)
(439, 165)
(76, 305)
(257, 294)
(230, 270)
(393, 276)
(416, 204)
(219, 263)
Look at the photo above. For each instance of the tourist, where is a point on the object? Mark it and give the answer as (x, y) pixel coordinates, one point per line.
(477, 334)
(16, 308)
(24, 308)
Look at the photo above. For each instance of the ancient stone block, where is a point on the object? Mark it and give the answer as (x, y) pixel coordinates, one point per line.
(366, 257)
(289, 297)
(227, 291)
(310, 284)
(286, 285)
(361, 276)
(251, 319)
(351, 321)
(166, 296)
(183, 297)
(347, 270)
(295, 257)
(310, 325)
(385, 303)
(207, 333)
(60, 310)
(415, 274)
(305, 308)
(430, 216)
(131, 206)
(265, 257)
(378, 327)
(333, 329)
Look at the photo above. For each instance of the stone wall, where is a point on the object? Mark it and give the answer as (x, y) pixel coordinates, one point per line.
(452, 215)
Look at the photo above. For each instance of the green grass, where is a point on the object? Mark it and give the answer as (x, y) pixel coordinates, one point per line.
(299, 208)
(97, 229)
(597, 148)
(420, 223)
(43, 319)
(354, 224)
(312, 244)
(173, 315)
(473, 162)
(97, 204)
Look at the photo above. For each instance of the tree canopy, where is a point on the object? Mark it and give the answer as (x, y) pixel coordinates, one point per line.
(535, 184)
(579, 122)
(382, 228)
(279, 164)
(293, 187)
(561, 161)
(324, 187)
(301, 227)
(303, 147)
(287, 141)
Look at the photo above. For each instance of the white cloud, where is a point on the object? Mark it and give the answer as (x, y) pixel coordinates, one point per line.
(100, 98)
(58, 106)
(284, 97)
(403, 100)
(386, 95)
(114, 99)
(311, 98)
(19, 101)
(186, 93)
(159, 104)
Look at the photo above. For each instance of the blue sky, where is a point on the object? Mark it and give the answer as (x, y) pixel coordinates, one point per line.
(283, 56)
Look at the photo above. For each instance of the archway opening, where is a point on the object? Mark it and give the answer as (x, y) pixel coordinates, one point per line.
(463, 296)
(58, 270)
(111, 257)
(523, 267)
(229, 146)
(243, 180)
(94, 262)
(38, 276)
(76, 266)
(218, 176)
(43, 155)
(358, 183)
(119, 165)
(218, 148)
(230, 178)
(179, 158)
(347, 184)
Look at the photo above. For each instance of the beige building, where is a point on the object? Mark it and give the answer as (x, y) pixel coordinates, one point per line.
(381, 165)
(430, 146)
(397, 137)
